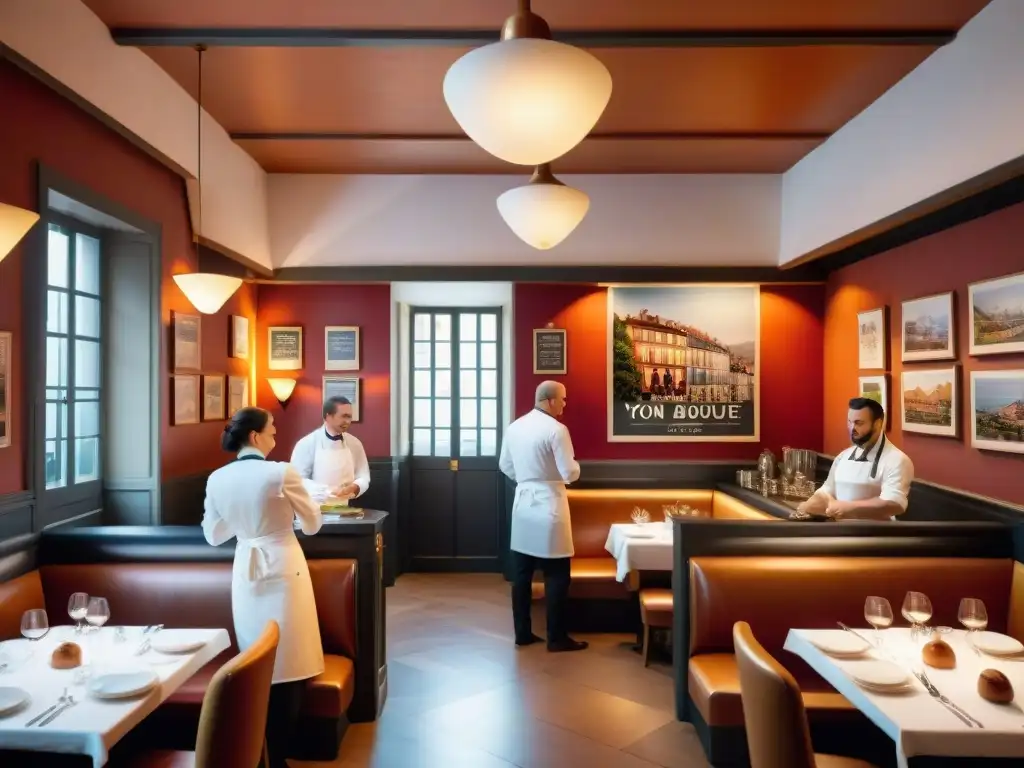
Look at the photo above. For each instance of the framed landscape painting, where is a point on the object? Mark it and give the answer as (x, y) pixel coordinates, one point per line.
(871, 340)
(930, 401)
(877, 389)
(928, 328)
(997, 410)
(997, 315)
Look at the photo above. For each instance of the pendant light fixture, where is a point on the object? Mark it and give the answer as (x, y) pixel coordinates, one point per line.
(14, 225)
(544, 212)
(527, 99)
(206, 290)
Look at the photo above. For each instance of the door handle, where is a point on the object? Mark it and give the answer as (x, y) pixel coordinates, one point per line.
(453, 465)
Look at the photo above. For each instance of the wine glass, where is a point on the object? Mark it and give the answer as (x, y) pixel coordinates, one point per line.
(878, 613)
(78, 605)
(917, 609)
(34, 624)
(973, 614)
(97, 613)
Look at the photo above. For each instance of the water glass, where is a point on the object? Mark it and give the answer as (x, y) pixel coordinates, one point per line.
(917, 609)
(878, 614)
(78, 605)
(973, 614)
(34, 624)
(97, 612)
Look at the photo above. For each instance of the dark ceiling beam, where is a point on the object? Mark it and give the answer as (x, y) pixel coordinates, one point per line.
(600, 136)
(288, 37)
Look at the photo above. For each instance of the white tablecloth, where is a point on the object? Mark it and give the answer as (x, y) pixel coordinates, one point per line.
(645, 547)
(918, 724)
(92, 726)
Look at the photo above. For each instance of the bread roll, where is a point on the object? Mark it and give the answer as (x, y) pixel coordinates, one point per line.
(938, 654)
(66, 656)
(994, 686)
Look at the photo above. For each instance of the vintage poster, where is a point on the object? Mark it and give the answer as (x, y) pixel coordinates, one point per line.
(683, 363)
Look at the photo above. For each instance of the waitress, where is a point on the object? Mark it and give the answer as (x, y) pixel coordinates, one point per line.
(868, 481)
(257, 501)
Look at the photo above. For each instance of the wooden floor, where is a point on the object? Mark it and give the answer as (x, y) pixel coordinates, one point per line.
(462, 696)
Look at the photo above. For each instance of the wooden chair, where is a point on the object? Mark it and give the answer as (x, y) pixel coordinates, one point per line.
(773, 711)
(233, 719)
(655, 613)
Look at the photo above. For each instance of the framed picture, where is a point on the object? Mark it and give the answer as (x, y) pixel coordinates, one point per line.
(928, 328)
(549, 351)
(344, 386)
(213, 397)
(284, 348)
(997, 315)
(239, 337)
(930, 401)
(877, 388)
(187, 342)
(6, 407)
(997, 410)
(872, 335)
(184, 399)
(341, 348)
(238, 394)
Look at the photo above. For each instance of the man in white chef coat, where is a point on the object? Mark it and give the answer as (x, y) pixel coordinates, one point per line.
(868, 481)
(537, 454)
(330, 459)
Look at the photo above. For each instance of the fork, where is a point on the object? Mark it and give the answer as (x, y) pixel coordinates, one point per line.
(969, 720)
(45, 712)
(67, 705)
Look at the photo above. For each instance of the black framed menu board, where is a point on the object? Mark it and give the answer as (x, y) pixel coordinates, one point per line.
(549, 352)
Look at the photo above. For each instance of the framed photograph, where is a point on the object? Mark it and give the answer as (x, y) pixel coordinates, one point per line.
(187, 342)
(341, 348)
(997, 410)
(928, 328)
(344, 386)
(284, 348)
(997, 315)
(549, 351)
(213, 397)
(6, 407)
(184, 399)
(877, 388)
(239, 337)
(872, 335)
(704, 385)
(238, 394)
(930, 401)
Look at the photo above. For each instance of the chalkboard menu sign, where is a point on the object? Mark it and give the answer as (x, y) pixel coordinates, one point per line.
(549, 355)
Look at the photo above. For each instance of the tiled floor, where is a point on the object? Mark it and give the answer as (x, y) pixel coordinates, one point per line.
(462, 696)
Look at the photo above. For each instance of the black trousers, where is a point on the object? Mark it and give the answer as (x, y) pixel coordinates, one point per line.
(556, 591)
(283, 714)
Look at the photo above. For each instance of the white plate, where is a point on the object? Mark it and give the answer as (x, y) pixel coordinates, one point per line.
(176, 641)
(121, 685)
(995, 644)
(877, 674)
(12, 698)
(906, 688)
(839, 644)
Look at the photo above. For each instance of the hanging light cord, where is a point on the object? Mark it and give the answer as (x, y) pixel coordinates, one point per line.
(199, 143)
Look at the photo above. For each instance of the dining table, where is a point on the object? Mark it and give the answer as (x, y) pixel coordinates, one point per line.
(923, 728)
(98, 718)
(640, 547)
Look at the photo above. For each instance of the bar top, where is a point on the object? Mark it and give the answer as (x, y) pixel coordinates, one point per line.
(773, 505)
(335, 524)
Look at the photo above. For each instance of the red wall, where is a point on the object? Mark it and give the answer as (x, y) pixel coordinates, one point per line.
(39, 125)
(790, 371)
(984, 248)
(314, 307)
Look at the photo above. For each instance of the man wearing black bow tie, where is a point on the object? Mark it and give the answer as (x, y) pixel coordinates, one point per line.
(330, 459)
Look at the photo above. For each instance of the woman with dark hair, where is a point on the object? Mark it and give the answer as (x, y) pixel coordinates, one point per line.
(257, 501)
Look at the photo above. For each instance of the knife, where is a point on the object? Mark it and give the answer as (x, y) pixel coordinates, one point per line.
(855, 633)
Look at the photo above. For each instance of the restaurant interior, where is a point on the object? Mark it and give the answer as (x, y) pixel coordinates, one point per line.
(714, 223)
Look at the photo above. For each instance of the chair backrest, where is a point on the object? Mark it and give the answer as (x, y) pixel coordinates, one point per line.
(233, 719)
(773, 709)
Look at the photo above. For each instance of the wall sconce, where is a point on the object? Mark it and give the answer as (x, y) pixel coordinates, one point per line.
(282, 389)
(14, 225)
(207, 291)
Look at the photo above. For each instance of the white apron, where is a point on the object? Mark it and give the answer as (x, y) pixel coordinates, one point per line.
(859, 480)
(270, 580)
(333, 468)
(540, 520)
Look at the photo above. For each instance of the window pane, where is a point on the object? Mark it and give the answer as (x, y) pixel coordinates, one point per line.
(56, 421)
(82, 393)
(442, 354)
(488, 383)
(489, 355)
(421, 327)
(488, 327)
(87, 363)
(421, 383)
(56, 362)
(467, 383)
(467, 442)
(87, 419)
(87, 317)
(442, 442)
(421, 442)
(442, 383)
(421, 354)
(488, 442)
(87, 264)
(56, 455)
(489, 413)
(421, 412)
(467, 327)
(56, 312)
(442, 327)
(57, 259)
(467, 355)
(467, 413)
(87, 459)
(442, 413)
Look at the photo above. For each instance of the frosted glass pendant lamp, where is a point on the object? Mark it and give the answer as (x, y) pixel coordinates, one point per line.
(207, 291)
(544, 212)
(14, 225)
(527, 99)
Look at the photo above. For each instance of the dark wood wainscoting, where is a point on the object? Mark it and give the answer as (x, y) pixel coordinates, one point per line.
(16, 513)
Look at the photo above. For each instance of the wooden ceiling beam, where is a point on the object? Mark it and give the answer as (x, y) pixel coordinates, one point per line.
(289, 37)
